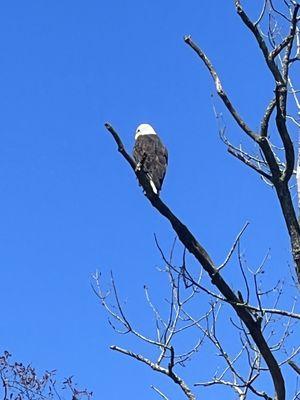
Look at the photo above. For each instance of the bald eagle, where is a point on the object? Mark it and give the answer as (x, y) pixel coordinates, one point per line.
(150, 155)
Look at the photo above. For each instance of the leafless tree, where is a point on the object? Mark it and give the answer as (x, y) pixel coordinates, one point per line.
(263, 329)
(22, 382)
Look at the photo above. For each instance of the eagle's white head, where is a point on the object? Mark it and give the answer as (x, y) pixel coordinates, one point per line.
(144, 129)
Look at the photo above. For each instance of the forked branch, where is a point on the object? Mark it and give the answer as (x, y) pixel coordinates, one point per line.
(156, 367)
(280, 173)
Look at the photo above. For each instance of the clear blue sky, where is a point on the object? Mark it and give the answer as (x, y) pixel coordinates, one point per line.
(70, 205)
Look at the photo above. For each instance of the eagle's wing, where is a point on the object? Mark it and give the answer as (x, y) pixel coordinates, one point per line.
(161, 163)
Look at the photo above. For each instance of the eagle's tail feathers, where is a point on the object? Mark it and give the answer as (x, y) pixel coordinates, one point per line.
(152, 184)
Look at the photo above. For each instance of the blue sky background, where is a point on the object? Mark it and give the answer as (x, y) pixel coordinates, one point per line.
(70, 205)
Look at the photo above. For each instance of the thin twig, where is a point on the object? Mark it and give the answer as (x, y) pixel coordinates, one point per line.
(159, 392)
(233, 246)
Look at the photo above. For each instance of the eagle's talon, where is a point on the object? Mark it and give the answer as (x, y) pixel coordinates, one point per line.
(138, 167)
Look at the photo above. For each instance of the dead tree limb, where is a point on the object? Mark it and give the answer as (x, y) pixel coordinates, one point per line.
(279, 176)
(156, 367)
(195, 248)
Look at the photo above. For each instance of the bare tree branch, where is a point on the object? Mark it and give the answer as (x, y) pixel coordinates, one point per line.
(166, 371)
(159, 392)
(233, 247)
(279, 177)
(260, 40)
(195, 248)
(295, 367)
(265, 121)
(262, 13)
(219, 88)
(250, 164)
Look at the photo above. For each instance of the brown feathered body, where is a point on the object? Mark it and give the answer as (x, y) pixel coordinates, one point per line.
(152, 156)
